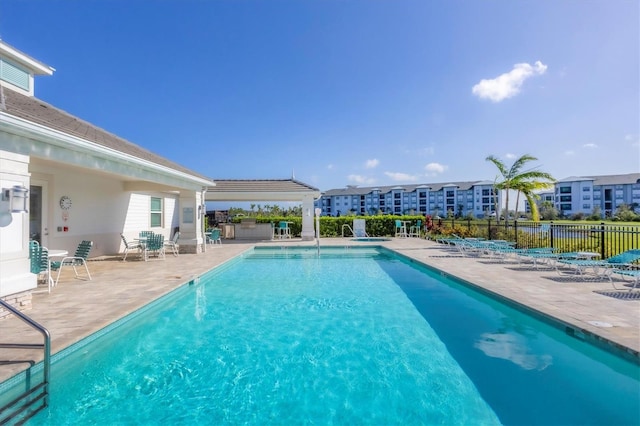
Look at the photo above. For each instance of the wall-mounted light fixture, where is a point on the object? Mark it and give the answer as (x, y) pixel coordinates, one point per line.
(13, 200)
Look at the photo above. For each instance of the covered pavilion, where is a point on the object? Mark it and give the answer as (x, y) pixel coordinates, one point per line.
(288, 190)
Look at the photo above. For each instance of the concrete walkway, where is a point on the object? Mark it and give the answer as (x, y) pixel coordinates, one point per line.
(76, 308)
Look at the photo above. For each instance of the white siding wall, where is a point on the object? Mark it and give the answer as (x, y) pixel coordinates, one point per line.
(101, 209)
(137, 215)
(139, 211)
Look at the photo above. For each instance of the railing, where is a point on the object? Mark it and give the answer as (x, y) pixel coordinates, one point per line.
(34, 398)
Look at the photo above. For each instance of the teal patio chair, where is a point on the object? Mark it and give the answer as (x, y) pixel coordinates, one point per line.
(214, 236)
(155, 245)
(401, 229)
(285, 231)
(415, 230)
(78, 259)
(39, 261)
(34, 256)
(45, 268)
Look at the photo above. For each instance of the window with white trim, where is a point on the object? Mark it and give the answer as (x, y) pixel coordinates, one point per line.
(155, 218)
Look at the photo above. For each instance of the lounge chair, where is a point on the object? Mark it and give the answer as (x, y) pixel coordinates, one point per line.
(451, 239)
(359, 228)
(78, 259)
(130, 246)
(538, 255)
(634, 273)
(603, 268)
(173, 243)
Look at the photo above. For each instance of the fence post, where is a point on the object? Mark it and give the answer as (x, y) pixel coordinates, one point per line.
(602, 244)
(515, 229)
(551, 234)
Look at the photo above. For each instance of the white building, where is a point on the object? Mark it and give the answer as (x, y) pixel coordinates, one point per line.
(84, 183)
(607, 193)
(436, 199)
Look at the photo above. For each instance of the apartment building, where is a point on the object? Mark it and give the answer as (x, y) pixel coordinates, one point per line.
(437, 199)
(607, 193)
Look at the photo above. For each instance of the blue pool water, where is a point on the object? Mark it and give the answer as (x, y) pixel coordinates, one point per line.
(352, 337)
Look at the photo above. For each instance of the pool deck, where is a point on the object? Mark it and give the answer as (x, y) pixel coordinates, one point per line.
(77, 308)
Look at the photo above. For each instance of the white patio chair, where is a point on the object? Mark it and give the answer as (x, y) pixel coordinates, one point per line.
(173, 244)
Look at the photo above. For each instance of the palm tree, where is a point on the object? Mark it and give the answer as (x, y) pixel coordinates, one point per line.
(528, 188)
(513, 178)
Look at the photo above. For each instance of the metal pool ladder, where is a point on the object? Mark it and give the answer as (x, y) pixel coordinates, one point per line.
(34, 398)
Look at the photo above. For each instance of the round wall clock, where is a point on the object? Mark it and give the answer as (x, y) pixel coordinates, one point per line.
(65, 203)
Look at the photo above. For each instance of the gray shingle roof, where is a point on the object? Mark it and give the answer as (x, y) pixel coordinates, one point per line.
(601, 180)
(261, 185)
(39, 112)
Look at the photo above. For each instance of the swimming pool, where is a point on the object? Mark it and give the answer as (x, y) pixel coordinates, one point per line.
(357, 336)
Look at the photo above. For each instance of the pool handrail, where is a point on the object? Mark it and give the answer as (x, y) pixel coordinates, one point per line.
(19, 407)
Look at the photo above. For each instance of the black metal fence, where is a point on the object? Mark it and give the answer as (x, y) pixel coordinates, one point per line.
(605, 239)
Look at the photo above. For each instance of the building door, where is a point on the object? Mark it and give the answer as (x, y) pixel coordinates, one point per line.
(38, 219)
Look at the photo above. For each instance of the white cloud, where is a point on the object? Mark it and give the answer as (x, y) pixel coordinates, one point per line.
(359, 179)
(508, 84)
(402, 177)
(510, 156)
(372, 164)
(512, 347)
(590, 145)
(569, 152)
(435, 168)
(330, 166)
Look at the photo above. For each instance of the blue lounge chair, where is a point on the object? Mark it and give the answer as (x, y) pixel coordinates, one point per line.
(634, 273)
(603, 268)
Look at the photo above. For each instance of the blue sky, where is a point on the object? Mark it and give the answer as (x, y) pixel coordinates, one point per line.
(344, 92)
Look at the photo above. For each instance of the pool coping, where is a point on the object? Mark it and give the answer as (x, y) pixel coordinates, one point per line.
(570, 329)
